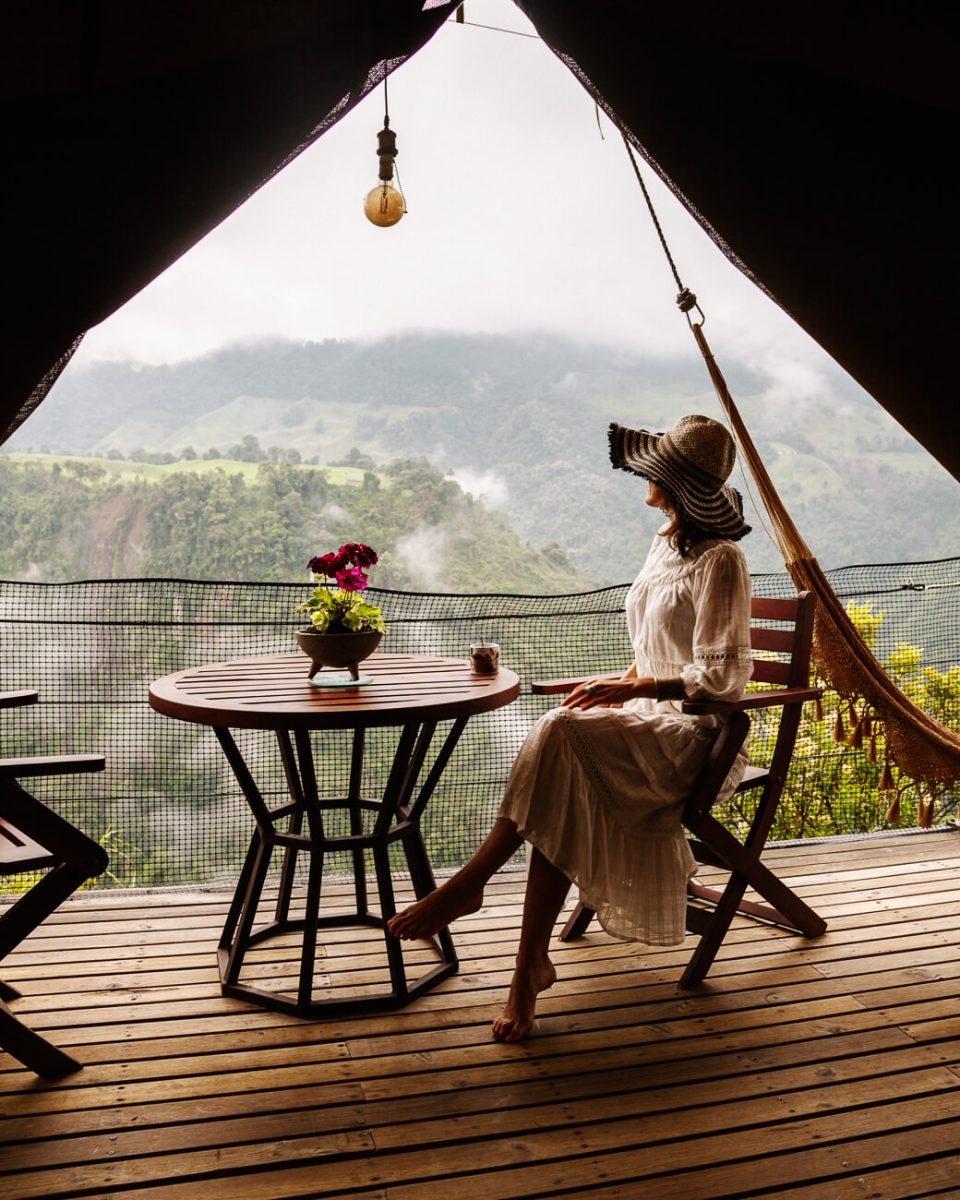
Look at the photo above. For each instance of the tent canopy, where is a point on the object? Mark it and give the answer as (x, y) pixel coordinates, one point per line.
(808, 141)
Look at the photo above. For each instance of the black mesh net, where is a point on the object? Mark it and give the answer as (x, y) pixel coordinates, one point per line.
(168, 808)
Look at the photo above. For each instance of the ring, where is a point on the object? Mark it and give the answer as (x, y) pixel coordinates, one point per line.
(589, 688)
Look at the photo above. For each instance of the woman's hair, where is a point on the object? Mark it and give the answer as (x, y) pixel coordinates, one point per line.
(682, 533)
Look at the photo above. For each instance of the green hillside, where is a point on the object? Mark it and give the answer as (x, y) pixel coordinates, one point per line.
(517, 422)
(84, 518)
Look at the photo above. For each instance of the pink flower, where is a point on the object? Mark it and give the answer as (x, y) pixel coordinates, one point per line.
(351, 579)
(347, 566)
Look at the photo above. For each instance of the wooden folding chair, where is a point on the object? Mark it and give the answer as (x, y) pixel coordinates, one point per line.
(712, 842)
(35, 839)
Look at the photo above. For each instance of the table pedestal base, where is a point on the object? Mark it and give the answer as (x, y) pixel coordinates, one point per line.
(397, 818)
(400, 993)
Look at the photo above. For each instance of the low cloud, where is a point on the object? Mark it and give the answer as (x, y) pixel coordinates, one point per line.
(489, 486)
(423, 552)
(791, 379)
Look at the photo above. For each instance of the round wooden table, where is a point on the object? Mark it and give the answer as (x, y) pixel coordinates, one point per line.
(272, 692)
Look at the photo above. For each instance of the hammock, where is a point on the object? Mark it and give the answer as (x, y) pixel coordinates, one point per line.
(921, 748)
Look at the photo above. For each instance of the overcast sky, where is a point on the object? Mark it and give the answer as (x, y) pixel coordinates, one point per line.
(520, 217)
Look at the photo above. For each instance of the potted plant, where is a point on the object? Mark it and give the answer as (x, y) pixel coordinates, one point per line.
(344, 628)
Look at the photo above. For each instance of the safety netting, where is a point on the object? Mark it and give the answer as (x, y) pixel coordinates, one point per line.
(170, 812)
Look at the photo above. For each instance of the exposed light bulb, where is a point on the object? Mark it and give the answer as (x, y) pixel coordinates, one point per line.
(384, 205)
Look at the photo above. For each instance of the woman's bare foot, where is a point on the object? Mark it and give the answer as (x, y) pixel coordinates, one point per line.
(435, 912)
(519, 1014)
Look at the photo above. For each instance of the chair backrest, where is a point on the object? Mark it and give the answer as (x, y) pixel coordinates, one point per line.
(791, 639)
(784, 628)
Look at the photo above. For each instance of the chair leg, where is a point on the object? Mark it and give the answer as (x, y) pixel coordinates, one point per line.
(710, 942)
(745, 863)
(790, 912)
(34, 1051)
(8, 992)
(36, 905)
(798, 914)
(577, 924)
(749, 908)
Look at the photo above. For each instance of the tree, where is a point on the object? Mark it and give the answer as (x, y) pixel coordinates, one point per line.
(839, 781)
(248, 450)
(355, 458)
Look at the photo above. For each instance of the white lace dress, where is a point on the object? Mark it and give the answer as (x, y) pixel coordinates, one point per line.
(600, 791)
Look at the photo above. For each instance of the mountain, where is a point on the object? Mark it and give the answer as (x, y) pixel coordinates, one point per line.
(521, 423)
(75, 518)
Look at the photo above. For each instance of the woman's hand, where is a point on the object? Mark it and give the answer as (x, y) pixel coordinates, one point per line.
(608, 693)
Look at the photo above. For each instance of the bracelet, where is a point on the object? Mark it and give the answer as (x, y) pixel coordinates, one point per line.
(669, 689)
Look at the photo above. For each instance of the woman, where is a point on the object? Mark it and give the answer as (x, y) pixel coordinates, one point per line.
(599, 784)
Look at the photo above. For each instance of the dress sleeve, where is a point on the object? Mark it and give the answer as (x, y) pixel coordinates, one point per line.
(721, 664)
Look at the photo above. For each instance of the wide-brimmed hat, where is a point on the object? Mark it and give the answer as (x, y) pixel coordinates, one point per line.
(692, 460)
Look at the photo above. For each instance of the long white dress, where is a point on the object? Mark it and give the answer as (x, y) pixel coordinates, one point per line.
(600, 791)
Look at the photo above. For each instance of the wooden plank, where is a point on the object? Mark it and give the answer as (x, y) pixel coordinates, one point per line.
(407, 1071)
(771, 1071)
(923, 1180)
(570, 996)
(589, 1094)
(930, 1179)
(442, 998)
(584, 1153)
(49, 943)
(751, 1175)
(148, 1060)
(750, 939)
(800, 1068)
(489, 1129)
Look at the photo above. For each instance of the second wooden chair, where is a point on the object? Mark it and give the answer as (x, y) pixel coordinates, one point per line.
(783, 628)
(34, 840)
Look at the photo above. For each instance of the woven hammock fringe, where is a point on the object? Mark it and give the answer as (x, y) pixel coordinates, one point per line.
(922, 748)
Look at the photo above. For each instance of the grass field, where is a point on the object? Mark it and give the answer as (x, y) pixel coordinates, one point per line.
(124, 471)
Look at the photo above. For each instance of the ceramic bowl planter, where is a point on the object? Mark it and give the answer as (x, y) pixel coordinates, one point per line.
(340, 650)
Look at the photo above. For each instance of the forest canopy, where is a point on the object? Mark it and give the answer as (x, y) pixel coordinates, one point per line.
(71, 519)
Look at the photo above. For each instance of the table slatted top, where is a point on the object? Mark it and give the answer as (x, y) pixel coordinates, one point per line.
(273, 692)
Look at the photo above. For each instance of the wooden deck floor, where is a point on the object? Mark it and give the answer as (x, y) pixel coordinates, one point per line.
(814, 1071)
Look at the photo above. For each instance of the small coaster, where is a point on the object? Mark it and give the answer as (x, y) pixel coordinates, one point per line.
(338, 679)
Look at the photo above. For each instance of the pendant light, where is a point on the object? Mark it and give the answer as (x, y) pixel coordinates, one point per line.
(384, 204)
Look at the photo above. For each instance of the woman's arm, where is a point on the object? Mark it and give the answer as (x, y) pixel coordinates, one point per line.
(611, 693)
(722, 658)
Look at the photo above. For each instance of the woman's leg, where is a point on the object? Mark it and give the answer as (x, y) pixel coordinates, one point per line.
(547, 888)
(463, 892)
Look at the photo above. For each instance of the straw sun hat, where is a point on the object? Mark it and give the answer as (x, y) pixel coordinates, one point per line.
(692, 461)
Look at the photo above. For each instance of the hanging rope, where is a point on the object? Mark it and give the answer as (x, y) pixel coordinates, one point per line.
(686, 300)
(920, 747)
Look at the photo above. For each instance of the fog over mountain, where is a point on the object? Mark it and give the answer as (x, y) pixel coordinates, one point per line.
(521, 422)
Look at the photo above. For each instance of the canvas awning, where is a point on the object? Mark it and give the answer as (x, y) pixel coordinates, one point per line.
(809, 141)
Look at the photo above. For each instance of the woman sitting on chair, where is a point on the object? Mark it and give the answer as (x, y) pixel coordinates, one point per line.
(599, 784)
